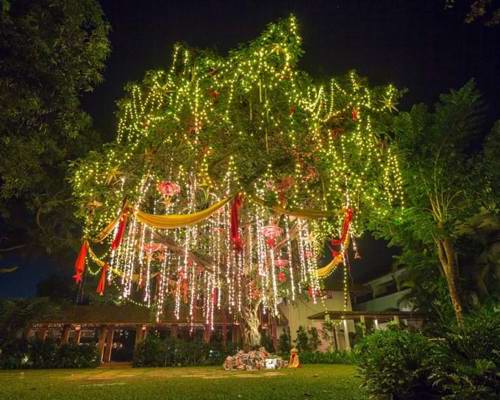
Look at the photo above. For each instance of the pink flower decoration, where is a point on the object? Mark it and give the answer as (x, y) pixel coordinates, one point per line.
(282, 277)
(270, 184)
(272, 231)
(281, 262)
(168, 188)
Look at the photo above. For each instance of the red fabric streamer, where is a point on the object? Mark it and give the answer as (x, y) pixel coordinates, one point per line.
(235, 222)
(102, 280)
(80, 262)
(345, 228)
(354, 114)
(121, 230)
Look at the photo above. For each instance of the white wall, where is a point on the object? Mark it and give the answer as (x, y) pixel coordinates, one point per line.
(298, 312)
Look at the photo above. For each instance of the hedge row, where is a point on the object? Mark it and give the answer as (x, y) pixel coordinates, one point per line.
(47, 354)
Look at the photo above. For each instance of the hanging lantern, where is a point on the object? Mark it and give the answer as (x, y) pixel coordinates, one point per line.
(282, 277)
(168, 189)
(271, 233)
(281, 262)
(308, 254)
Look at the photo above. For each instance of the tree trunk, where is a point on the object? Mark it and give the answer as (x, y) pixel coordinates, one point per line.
(251, 334)
(446, 255)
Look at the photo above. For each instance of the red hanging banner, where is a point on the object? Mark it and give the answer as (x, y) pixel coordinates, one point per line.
(235, 222)
(345, 228)
(102, 280)
(120, 232)
(80, 262)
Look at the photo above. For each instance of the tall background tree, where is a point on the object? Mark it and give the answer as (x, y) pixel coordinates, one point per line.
(51, 52)
(451, 182)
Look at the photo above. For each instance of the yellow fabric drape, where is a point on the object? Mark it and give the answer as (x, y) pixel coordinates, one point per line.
(101, 264)
(306, 213)
(178, 220)
(109, 228)
(326, 271)
(94, 257)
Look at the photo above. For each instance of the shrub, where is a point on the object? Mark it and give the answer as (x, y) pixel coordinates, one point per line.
(461, 365)
(14, 354)
(302, 341)
(77, 356)
(314, 340)
(266, 341)
(43, 354)
(284, 343)
(151, 352)
(47, 354)
(393, 362)
(465, 365)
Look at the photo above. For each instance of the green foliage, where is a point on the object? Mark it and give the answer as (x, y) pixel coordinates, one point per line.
(327, 357)
(266, 341)
(17, 315)
(150, 352)
(14, 354)
(492, 162)
(446, 183)
(461, 364)
(174, 352)
(78, 356)
(428, 290)
(284, 344)
(47, 354)
(52, 52)
(465, 365)
(435, 148)
(392, 362)
(302, 341)
(314, 340)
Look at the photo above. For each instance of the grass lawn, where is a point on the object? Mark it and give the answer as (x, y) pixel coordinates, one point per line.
(334, 382)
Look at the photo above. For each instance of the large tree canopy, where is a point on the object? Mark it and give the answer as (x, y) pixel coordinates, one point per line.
(51, 51)
(308, 159)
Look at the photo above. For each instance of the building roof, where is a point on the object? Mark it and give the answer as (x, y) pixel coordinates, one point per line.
(103, 314)
(367, 315)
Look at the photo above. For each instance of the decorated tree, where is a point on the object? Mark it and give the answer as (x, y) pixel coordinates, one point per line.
(227, 176)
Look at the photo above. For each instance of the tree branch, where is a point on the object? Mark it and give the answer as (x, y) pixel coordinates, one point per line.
(19, 246)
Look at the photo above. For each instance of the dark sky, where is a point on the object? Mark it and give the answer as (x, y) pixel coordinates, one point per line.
(413, 44)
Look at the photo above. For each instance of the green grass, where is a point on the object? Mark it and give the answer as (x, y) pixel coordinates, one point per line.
(333, 382)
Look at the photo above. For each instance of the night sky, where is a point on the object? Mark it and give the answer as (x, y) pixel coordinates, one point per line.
(415, 45)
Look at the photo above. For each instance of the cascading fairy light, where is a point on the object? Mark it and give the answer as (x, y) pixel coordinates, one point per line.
(147, 279)
(289, 257)
(273, 279)
(218, 259)
(162, 285)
